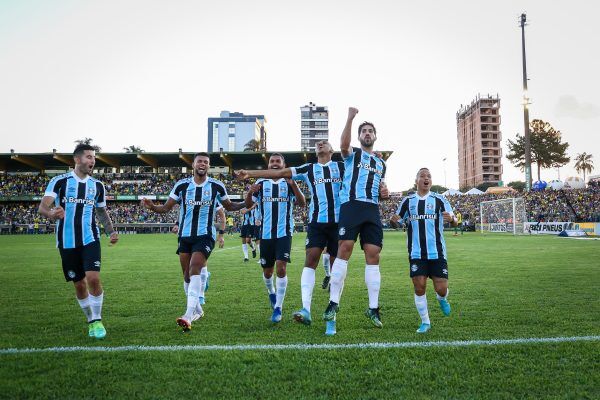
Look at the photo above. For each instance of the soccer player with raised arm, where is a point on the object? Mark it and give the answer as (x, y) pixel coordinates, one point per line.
(425, 214)
(198, 197)
(362, 186)
(73, 200)
(275, 199)
(324, 179)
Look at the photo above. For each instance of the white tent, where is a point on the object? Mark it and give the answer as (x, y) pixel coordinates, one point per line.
(452, 192)
(474, 191)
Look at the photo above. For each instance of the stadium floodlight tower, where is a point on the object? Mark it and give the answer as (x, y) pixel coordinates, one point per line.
(503, 216)
(526, 103)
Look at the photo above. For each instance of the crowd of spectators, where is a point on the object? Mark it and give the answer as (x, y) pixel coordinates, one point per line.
(561, 205)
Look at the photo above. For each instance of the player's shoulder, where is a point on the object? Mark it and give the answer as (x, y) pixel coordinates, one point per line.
(260, 181)
(215, 181)
(438, 196)
(96, 180)
(65, 176)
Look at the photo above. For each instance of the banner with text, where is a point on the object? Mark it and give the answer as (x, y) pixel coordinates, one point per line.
(546, 228)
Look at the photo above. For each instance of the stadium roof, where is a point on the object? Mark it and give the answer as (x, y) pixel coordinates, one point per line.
(32, 162)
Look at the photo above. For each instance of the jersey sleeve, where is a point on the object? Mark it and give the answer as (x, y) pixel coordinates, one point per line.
(352, 154)
(100, 195)
(300, 173)
(447, 206)
(402, 210)
(384, 170)
(52, 188)
(221, 191)
(176, 192)
(256, 195)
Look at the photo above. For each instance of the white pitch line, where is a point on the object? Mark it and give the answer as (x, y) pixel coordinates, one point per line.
(303, 346)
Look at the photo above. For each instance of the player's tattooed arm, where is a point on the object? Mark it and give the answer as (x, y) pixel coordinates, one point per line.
(45, 208)
(345, 145)
(301, 201)
(106, 222)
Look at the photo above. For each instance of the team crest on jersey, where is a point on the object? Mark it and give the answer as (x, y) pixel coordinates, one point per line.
(342, 231)
(71, 274)
(413, 209)
(429, 207)
(91, 191)
(414, 268)
(206, 192)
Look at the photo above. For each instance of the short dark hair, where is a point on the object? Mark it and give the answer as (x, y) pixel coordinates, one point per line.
(201, 154)
(81, 148)
(278, 155)
(366, 123)
(421, 169)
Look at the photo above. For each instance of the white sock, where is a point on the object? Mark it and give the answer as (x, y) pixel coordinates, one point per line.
(203, 278)
(421, 303)
(373, 281)
(192, 298)
(252, 246)
(307, 284)
(85, 307)
(326, 264)
(281, 284)
(96, 306)
(245, 250)
(444, 297)
(269, 284)
(338, 275)
(185, 287)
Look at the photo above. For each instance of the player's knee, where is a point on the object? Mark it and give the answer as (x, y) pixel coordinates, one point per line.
(419, 290)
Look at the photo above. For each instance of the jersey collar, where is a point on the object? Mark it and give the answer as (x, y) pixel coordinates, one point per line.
(78, 179)
(424, 197)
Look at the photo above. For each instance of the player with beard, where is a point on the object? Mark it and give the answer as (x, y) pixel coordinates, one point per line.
(275, 199)
(426, 213)
(73, 200)
(198, 197)
(363, 184)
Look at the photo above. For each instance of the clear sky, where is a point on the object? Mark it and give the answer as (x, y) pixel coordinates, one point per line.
(150, 73)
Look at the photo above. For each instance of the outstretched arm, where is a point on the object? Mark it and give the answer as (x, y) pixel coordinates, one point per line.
(345, 146)
(231, 206)
(263, 173)
(165, 208)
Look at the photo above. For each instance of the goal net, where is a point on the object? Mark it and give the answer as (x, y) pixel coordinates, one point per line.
(503, 216)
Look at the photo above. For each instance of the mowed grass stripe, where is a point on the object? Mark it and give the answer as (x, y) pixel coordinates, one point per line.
(302, 346)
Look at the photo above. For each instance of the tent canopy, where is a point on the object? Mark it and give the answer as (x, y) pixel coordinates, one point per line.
(452, 192)
(474, 191)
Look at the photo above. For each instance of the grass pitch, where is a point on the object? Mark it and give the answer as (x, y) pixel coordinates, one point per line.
(501, 287)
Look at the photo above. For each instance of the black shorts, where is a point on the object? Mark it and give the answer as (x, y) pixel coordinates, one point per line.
(257, 232)
(199, 244)
(75, 262)
(275, 249)
(323, 235)
(429, 268)
(359, 217)
(247, 231)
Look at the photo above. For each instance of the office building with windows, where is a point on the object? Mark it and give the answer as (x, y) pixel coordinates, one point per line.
(232, 131)
(314, 126)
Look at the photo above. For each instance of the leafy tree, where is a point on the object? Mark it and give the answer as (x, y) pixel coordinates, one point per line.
(584, 163)
(252, 145)
(519, 186)
(547, 148)
(483, 187)
(438, 188)
(89, 141)
(133, 149)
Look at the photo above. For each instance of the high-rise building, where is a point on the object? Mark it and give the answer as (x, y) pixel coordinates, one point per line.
(479, 137)
(314, 125)
(231, 131)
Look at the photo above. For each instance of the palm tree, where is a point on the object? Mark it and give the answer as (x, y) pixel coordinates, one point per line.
(252, 145)
(584, 163)
(133, 149)
(89, 141)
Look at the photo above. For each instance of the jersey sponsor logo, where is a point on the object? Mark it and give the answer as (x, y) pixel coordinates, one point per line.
(201, 203)
(275, 199)
(326, 180)
(368, 167)
(75, 200)
(423, 216)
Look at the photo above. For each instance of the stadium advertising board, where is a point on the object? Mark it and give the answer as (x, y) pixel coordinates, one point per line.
(546, 228)
(501, 227)
(587, 227)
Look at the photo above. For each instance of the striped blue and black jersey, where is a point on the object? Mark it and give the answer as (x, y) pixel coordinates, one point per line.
(79, 198)
(197, 205)
(324, 182)
(275, 199)
(250, 217)
(425, 225)
(362, 176)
